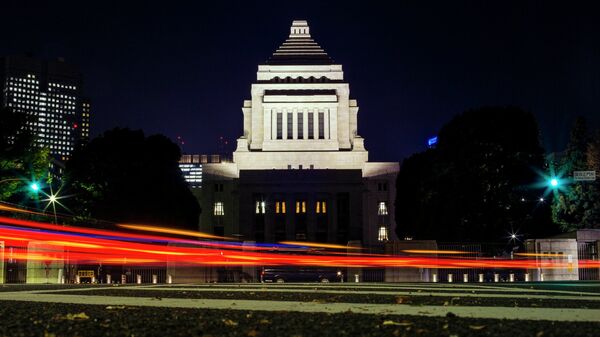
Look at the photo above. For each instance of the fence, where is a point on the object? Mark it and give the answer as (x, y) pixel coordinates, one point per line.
(588, 251)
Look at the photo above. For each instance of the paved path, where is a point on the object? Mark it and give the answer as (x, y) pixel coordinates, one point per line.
(421, 289)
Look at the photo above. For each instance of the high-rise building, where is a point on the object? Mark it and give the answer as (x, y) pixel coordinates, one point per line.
(191, 167)
(300, 170)
(50, 94)
(84, 126)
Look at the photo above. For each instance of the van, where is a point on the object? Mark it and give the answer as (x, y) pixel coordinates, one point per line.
(301, 274)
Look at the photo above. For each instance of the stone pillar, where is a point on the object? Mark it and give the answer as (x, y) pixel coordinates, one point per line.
(257, 133)
(326, 122)
(284, 129)
(295, 123)
(305, 120)
(267, 124)
(333, 123)
(273, 124)
(315, 125)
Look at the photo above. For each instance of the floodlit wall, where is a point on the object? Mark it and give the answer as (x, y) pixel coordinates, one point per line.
(557, 251)
(48, 268)
(178, 272)
(393, 274)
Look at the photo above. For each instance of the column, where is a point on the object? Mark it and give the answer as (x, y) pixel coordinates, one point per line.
(305, 120)
(284, 123)
(273, 124)
(295, 123)
(326, 122)
(333, 127)
(268, 124)
(315, 125)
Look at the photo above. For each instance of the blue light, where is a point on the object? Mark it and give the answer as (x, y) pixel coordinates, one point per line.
(554, 182)
(34, 187)
(432, 141)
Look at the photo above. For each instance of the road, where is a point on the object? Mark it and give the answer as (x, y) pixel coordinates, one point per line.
(350, 309)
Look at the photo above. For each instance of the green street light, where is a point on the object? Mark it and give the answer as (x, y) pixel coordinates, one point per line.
(34, 187)
(554, 182)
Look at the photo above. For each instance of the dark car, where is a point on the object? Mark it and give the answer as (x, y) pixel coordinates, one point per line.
(301, 274)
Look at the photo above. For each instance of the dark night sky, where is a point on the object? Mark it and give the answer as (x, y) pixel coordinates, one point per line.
(184, 68)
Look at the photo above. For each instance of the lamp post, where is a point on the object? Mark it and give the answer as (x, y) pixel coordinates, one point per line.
(33, 186)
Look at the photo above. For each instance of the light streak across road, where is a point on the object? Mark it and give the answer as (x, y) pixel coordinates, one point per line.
(31, 240)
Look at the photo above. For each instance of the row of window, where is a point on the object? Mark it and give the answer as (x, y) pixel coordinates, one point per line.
(280, 207)
(58, 85)
(320, 208)
(300, 125)
(33, 94)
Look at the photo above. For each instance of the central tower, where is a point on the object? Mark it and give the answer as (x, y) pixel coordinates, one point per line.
(300, 113)
(300, 170)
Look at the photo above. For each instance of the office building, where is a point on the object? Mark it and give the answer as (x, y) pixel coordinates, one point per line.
(50, 94)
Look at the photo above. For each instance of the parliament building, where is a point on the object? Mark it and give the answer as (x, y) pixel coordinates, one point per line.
(300, 171)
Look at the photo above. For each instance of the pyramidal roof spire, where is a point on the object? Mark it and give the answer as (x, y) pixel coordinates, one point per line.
(299, 29)
(299, 48)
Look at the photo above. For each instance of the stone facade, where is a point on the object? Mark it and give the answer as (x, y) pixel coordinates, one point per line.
(300, 143)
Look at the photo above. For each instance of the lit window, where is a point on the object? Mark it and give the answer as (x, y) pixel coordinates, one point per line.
(382, 210)
(260, 207)
(382, 234)
(321, 207)
(300, 206)
(280, 207)
(218, 209)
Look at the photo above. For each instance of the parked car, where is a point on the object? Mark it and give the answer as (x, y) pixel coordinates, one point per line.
(301, 274)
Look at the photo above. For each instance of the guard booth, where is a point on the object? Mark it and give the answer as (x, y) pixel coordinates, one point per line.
(86, 276)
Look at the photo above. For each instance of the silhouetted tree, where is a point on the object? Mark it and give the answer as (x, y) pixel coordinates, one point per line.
(20, 160)
(477, 184)
(577, 204)
(593, 153)
(123, 176)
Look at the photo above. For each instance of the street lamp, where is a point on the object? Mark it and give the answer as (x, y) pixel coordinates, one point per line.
(554, 182)
(34, 187)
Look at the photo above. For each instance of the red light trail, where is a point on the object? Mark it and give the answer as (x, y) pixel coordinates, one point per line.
(30, 240)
